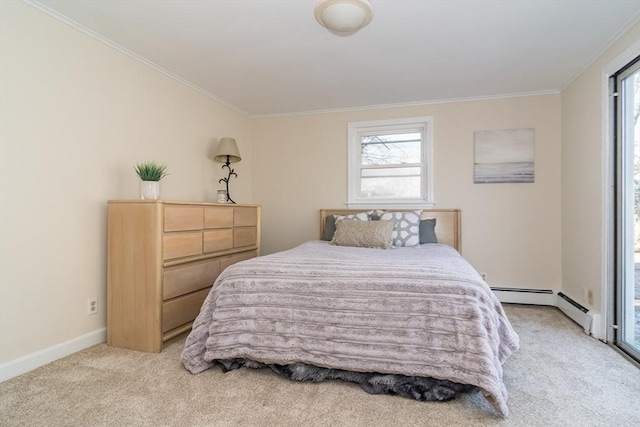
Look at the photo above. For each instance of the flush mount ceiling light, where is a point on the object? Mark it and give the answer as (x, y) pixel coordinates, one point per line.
(344, 17)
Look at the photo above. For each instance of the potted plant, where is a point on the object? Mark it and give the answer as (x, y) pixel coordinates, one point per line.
(150, 173)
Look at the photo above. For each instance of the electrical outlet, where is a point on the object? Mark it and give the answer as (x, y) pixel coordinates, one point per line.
(92, 306)
(484, 276)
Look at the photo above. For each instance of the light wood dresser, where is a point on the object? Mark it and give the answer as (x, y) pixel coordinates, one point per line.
(162, 259)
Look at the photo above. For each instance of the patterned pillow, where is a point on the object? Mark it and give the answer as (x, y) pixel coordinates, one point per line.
(360, 216)
(407, 230)
(367, 234)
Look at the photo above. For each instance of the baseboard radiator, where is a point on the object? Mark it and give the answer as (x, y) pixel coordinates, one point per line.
(525, 296)
(576, 312)
(589, 321)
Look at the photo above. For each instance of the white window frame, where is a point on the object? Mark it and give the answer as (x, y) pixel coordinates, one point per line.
(355, 129)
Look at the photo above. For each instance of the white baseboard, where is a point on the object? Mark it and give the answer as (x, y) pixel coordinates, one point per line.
(575, 312)
(590, 321)
(597, 330)
(40, 358)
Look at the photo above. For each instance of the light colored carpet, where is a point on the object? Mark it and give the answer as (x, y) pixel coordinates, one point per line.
(560, 377)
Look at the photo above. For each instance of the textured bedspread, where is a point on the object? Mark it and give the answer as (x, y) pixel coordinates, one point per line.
(421, 311)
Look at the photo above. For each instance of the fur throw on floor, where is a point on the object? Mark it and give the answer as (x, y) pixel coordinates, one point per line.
(418, 388)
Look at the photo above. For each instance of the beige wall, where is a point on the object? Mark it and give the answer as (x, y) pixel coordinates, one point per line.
(583, 175)
(76, 115)
(510, 231)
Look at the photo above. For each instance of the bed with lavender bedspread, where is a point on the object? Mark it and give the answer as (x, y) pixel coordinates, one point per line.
(420, 311)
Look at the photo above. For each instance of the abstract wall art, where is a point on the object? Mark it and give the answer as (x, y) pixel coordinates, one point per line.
(504, 156)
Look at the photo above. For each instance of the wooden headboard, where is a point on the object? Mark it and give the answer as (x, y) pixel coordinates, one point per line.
(448, 222)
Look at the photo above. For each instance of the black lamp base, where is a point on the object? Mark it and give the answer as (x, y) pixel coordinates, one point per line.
(227, 165)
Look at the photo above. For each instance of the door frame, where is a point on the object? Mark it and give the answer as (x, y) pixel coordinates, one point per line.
(608, 291)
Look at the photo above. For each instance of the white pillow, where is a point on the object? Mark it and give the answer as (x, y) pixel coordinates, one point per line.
(407, 229)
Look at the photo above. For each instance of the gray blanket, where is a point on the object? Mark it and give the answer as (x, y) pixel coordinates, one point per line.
(417, 388)
(421, 311)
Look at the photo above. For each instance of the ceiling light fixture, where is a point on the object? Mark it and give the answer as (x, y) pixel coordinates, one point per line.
(344, 17)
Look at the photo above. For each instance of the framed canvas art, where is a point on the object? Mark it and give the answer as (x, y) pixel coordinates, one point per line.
(504, 156)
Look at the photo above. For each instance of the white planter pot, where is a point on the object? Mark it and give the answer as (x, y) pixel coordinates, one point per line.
(149, 190)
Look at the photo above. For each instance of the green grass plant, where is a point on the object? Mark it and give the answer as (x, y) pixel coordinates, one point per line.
(151, 171)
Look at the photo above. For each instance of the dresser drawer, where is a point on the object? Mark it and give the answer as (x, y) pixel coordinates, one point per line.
(245, 217)
(182, 310)
(180, 218)
(232, 259)
(177, 245)
(217, 240)
(218, 217)
(244, 236)
(188, 278)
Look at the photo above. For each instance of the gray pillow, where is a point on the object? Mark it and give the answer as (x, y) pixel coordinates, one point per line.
(329, 228)
(427, 231)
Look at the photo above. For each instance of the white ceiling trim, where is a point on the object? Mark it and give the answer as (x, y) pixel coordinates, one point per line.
(633, 21)
(131, 54)
(409, 104)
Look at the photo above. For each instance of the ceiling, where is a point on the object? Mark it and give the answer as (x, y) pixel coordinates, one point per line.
(270, 57)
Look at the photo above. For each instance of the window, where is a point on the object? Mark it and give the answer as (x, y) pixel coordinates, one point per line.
(390, 162)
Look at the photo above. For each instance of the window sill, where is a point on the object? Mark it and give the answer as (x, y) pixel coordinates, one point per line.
(391, 204)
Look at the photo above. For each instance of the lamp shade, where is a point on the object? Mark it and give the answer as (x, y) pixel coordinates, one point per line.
(227, 147)
(344, 16)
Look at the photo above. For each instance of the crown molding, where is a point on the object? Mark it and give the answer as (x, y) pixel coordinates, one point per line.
(409, 104)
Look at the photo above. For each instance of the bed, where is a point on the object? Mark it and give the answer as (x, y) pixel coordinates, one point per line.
(414, 318)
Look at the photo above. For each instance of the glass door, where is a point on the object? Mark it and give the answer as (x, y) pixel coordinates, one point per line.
(627, 137)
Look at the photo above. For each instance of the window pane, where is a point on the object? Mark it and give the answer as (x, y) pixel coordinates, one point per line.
(391, 149)
(390, 161)
(390, 188)
(390, 172)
